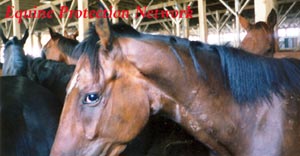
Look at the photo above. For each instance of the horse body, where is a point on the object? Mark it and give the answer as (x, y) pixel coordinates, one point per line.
(234, 102)
(50, 74)
(28, 123)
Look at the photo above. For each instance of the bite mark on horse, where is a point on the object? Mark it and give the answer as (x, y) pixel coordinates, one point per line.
(203, 117)
(194, 125)
(73, 83)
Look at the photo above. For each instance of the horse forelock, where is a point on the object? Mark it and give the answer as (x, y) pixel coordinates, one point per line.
(67, 45)
(260, 25)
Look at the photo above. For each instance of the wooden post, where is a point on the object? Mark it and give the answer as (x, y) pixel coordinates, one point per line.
(114, 4)
(262, 9)
(202, 20)
(186, 24)
(218, 27)
(83, 23)
(237, 23)
(16, 25)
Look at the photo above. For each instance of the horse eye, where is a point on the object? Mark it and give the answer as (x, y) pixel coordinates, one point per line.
(91, 98)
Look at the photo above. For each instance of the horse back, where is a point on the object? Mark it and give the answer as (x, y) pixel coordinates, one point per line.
(29, 117)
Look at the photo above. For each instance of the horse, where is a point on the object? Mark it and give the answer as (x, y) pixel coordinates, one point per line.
(260, 37)
(58, 48)
(160, 136)
(29, 117)
(52, 75)
(14, 55)
(234, 102)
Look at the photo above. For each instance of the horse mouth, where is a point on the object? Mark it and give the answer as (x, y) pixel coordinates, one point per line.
(99, 147)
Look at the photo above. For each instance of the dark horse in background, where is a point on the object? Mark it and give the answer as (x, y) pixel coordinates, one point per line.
(234, 102)
(14, 55)
(29, 115)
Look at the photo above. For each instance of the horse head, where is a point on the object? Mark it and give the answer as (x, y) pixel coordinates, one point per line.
(59, 48)
(15, 60)
(260, 36)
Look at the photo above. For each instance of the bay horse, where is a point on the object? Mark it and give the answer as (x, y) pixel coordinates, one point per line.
(59, 48)
(260, 37)
(161, 136)
(29, 115)
(15, 60)
(234, 102)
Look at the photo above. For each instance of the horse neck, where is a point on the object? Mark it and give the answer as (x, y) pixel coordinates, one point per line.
(15, 61)
(51, 74)
(177, 89)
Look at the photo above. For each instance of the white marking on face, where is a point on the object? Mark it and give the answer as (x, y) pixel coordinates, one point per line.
(177, 114)
(73, 83)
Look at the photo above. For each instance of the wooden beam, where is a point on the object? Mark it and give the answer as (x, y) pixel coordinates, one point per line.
(4, 1)
(16, 24)
(114, 4)
(83, 23)
(262, 9)
(202, 20)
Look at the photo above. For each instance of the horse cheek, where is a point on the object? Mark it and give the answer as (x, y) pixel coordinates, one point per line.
(130, 109)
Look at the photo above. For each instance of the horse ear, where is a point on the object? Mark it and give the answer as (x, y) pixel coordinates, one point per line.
(272, 19)
(244, 22)
(25, 36)
(4, 39)
(53, 34)
(75, 34)
(65, 33)
(103, 29)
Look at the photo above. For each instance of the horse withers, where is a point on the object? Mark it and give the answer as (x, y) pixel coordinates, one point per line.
(234, 102)
(29, 117)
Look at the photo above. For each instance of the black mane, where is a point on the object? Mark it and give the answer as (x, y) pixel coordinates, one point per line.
(250, 78)
(67, 45)
(15, 59)
(51, 74)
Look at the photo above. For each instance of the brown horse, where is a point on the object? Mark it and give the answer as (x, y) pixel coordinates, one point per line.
(260, 38)
(58, 48)
(234, 102)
